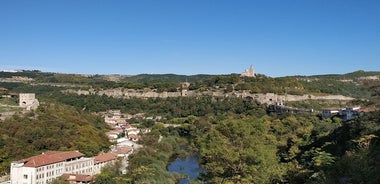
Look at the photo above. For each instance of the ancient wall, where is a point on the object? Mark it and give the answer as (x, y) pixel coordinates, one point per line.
(266, 98)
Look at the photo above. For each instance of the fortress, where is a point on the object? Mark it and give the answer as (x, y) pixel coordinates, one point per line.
(28, 101)
(248, 72)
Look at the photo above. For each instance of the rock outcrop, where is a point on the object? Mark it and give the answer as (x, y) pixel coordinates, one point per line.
(267, 98)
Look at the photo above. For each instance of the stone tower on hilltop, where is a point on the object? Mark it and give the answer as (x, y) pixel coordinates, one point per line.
(249, 72)
(28, 101)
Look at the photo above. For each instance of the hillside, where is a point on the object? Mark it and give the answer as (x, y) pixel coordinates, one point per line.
(51, 127)
(364, 86)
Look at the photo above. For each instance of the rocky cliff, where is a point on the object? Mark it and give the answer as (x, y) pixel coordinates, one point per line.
(268, 98)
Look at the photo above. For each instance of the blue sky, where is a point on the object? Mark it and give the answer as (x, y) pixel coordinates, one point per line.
(278, 37)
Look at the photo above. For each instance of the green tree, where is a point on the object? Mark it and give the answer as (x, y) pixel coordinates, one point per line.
(238, 151)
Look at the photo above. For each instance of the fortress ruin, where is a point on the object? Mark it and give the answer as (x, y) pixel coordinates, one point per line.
(249, 72)
(28, 101)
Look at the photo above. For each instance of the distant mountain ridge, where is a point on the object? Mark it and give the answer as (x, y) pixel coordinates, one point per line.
(358, 84)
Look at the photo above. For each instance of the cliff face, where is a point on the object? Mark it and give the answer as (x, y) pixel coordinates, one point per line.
(268, 98)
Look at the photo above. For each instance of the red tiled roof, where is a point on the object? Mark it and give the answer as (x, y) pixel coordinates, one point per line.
(77, 177)
(50, 157)
(124, 150)
(133, 136)
(104, 158)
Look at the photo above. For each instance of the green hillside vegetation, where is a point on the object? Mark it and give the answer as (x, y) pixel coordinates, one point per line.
(169, 107)
(51, 127)
(351, 84)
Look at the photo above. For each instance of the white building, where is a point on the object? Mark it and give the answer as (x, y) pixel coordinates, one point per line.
(102, 160)
(43, 168)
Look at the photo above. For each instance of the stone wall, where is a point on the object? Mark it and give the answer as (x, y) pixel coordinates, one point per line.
(267, 98)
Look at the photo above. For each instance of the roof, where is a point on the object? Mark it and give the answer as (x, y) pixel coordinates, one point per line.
(124, 150)
(133, 136)
(104, 157)
(77, 177)
(50, 157)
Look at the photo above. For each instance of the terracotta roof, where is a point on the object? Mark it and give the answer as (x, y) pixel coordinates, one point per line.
(50, 157)
(104, 158)
(77, 177)
(124, 150)
(133, 136)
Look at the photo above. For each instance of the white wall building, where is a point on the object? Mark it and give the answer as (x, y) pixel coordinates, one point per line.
(102, 160)
(43, 168)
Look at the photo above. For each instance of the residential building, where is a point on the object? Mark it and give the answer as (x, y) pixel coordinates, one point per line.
(77, 178)
(102, 160)
(47, 166)
(124, 151)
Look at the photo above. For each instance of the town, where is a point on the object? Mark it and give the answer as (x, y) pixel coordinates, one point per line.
(73, 166)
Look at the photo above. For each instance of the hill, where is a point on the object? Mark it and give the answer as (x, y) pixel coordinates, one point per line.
(361, 85)
(51, 127)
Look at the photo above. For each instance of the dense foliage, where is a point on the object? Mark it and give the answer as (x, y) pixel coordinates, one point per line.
(51, 127)
(293, 149)
(169, 107)
(240, 151)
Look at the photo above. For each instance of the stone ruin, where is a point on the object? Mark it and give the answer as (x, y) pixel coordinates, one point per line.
(28, 101)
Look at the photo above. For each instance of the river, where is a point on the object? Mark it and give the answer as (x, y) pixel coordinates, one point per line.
(188, 166)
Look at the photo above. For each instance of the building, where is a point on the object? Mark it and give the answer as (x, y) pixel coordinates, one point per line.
(102, 160)
(77, 178)
(28, 101)
(346, 114)
(328, 113)
(349, 113)
(249, 72)
(124, 151)
(47, 166)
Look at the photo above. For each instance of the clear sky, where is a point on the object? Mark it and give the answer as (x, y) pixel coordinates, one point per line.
(278, 37)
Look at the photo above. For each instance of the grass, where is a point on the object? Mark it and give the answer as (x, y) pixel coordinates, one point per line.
(9, 101)
(9, 105)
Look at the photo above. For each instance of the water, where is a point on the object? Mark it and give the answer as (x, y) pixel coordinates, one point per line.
(188, 166)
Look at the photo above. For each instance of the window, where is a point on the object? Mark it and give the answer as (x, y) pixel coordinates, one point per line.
(25, 176)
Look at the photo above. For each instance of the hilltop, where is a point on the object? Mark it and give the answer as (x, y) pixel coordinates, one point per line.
(360, 85)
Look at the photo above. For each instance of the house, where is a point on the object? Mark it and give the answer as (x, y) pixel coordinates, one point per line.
(102, 160)
(124, 151)
(134, 137)
(132, 131)
(43, 168)
(77, 178)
